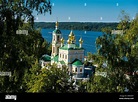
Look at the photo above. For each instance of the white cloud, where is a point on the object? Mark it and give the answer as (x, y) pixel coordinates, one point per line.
(117, 4)
(85, 4)
(53, 4)
(68, 18)
(101, 18)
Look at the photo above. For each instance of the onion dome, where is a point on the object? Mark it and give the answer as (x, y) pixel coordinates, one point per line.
(62, 40)
(81, 41)
(57, 31)
(71, 33)
(69, 41)
(72, 37)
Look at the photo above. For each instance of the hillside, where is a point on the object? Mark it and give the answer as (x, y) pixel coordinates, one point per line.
(89, 26)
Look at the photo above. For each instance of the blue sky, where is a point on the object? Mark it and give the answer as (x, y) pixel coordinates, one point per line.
(89, 10)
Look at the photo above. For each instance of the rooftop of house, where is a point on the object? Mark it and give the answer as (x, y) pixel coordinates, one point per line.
(46, 58)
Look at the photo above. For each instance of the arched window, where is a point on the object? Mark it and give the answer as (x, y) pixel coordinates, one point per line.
(58, 38)
(53, 49)
(65, 56)
(76, 70)
(60, 55)
(80, 69)
(54, 38)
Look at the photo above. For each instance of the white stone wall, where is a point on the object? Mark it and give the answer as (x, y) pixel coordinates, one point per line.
(69, 56)
(63, 55)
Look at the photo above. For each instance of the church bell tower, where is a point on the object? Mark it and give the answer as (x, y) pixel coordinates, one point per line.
(56, 36)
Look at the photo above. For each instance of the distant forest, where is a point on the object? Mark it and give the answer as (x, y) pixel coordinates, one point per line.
(89, 26)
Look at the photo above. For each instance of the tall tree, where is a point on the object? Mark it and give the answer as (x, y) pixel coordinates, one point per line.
(117, 56)
(19, 51)
(49, 80)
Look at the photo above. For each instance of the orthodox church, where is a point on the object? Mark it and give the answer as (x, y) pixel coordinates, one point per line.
(67, 53)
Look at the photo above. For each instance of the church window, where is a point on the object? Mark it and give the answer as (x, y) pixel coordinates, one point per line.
(58, 38)
(60, 55)
(80, 69)
(53, 50)
(75, 69)
(65, 56)
(57, 49)
(54, 38)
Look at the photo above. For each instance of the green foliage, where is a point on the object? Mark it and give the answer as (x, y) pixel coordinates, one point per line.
(19, 51)
(49, 79)
(125, 21)
(119, 53)
(106, 30)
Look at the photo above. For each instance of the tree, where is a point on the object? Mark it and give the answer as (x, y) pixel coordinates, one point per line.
(125, 21)
(19, 52)
(50, 80)
(119, 56)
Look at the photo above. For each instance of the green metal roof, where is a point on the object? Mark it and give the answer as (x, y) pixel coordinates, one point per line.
(55, 58)
(46, 58)
(57, 31)
(62, 62)
(65, 47)
(77, 62)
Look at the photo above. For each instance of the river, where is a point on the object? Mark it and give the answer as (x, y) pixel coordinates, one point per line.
(89, 38)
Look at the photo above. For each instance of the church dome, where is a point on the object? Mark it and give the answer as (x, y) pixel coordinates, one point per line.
(71, 33)
(57, 31)
(81, 41)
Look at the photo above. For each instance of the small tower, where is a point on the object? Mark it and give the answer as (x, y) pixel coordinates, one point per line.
(56, 43)
(80, 41)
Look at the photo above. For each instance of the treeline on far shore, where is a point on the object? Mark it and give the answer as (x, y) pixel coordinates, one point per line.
(89, 26)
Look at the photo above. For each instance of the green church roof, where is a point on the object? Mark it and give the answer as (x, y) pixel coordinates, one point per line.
(62, 62)
(57, 31)
(55, 58)
(65, 47)
(77, 62)
(46, 58)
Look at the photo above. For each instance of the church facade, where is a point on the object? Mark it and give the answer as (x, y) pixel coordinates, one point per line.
(67, 52)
